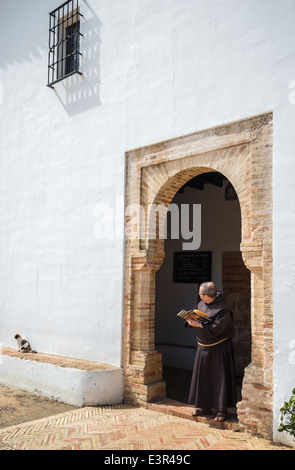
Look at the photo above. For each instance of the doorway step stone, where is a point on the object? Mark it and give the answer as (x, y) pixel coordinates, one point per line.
(183, 410)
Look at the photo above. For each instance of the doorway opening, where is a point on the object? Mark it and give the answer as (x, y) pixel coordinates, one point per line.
(177, 283)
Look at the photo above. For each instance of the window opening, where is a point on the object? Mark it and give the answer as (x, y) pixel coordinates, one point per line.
(64, 42)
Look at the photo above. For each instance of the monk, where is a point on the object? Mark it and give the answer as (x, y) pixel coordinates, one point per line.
(213, 378)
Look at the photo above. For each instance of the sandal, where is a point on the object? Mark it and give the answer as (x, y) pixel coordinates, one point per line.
(200, 412)
(221, 416)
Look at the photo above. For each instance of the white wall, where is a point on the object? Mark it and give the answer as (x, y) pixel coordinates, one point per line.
(152, 71)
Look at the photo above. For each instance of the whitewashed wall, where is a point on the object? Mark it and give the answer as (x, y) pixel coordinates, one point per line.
(152, 71)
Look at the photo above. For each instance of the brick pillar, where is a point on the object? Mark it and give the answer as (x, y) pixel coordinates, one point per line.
(143, 374)
(256, 408)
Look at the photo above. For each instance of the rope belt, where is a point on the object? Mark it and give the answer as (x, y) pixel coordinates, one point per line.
(214, 344)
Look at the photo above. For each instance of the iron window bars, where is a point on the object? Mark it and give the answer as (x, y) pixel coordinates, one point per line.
(64, 42)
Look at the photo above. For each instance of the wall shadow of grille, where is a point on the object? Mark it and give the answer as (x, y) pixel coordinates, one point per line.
(79, 93)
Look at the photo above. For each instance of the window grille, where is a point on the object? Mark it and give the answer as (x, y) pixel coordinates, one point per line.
(64, 42)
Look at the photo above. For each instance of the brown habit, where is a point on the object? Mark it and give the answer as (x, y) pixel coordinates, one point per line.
(213, 378)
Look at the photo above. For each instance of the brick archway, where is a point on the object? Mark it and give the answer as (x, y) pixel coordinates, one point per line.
(241, 151)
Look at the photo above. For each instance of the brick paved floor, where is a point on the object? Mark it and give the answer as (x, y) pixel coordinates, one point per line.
(123, 427)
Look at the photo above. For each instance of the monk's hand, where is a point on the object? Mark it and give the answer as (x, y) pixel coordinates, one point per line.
(195, 323)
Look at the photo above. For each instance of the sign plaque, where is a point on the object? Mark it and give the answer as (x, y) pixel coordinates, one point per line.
(192, 266)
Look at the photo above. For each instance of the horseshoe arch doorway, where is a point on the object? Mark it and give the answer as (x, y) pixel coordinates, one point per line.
(242, 152)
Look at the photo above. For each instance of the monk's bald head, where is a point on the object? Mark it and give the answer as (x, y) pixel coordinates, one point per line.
(208, 288)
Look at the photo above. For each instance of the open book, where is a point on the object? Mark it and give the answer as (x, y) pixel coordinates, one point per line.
(194, 315)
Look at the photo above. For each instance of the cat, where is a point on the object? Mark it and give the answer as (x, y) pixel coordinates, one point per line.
(23, 345)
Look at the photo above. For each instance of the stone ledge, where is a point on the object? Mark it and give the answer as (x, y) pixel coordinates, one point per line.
(60, 361)
(72, 381)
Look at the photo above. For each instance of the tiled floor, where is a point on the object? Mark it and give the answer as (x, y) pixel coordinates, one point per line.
(124, 427)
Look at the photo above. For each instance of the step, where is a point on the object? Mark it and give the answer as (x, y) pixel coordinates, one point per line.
(183, 410)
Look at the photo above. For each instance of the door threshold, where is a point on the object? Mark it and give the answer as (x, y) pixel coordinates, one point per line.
(183, 410)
